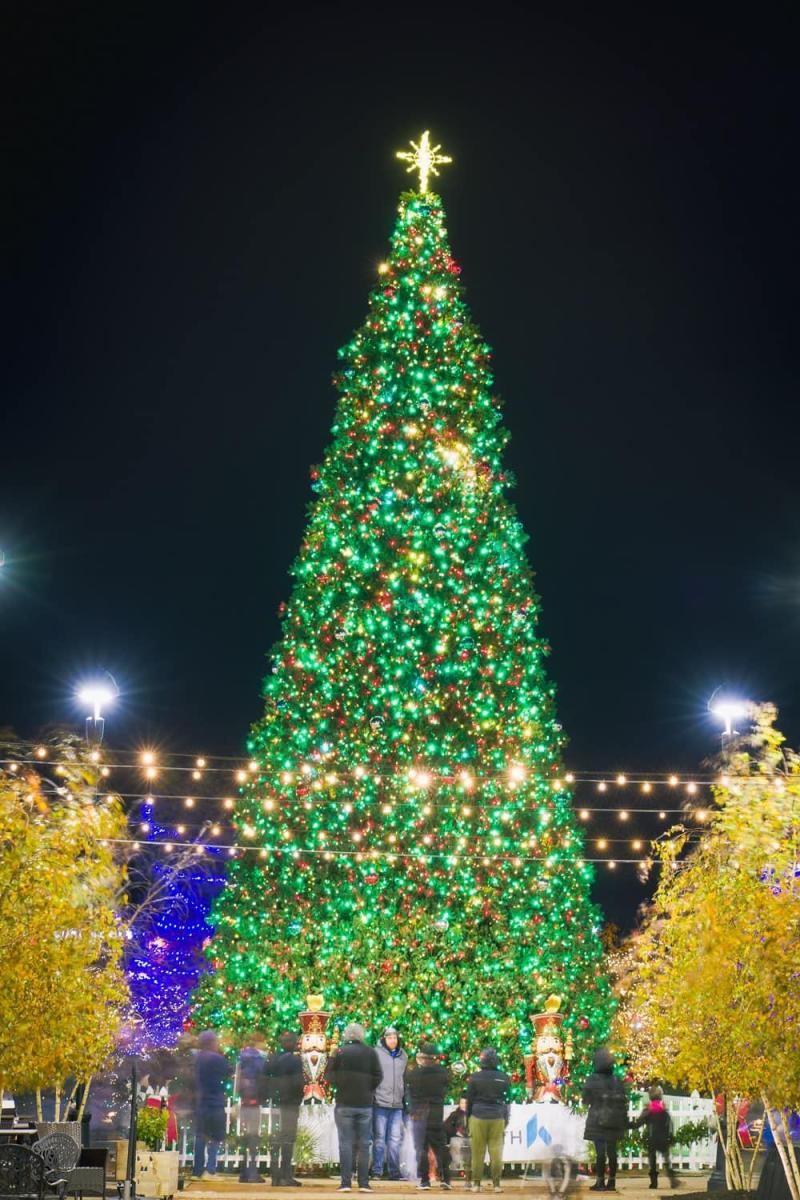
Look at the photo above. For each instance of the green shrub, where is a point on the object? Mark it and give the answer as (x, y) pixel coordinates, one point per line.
(151, 1126)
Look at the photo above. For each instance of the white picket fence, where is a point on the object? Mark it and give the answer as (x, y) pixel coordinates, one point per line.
(682, 1109)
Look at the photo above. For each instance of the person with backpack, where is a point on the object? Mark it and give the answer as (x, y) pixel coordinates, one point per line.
(488, 1112)
(250, 1086)
(655, 1118)
(607, 1118)
(286, 1083)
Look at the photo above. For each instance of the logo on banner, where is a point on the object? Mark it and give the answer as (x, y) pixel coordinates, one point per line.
(533, 1130)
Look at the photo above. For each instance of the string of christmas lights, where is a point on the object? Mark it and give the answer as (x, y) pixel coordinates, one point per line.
(394, 855)
(422, 776)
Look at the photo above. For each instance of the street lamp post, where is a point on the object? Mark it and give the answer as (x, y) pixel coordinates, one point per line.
(97, 696)
(728, 710)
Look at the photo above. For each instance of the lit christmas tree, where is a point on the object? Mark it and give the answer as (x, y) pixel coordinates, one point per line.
(408, 842)
(164, 960)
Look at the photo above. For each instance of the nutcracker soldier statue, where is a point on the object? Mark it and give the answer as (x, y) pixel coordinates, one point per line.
(314, 1048)
(547, 1069)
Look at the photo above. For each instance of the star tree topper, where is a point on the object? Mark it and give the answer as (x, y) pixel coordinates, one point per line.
(424, 158)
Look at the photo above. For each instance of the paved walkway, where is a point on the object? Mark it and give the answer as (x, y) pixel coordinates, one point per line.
(229, 1188)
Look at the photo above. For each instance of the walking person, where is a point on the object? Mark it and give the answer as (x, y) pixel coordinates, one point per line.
(427, 1088)
(184, 1085)
(250, 1086)
(212, 1071)
(654, 1115)
(488, 1111)
(456, 1132)
(285, 1076)
(354, 1072)
(388, 1110)
(607, 1118)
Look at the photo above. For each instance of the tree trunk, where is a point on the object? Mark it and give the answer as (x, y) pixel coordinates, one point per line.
(724, 1139)
(39, 1109)
(790, 1154)
(777, 1134)
(753, 1157)
(733, 1157)
(57, 1108)
(84, 1098)
(68, 1102)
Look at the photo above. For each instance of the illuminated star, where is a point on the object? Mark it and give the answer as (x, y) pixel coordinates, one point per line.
(424, 158)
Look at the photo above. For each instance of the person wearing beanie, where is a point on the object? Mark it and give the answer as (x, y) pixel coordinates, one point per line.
(354, 1072)
(285, 1075)
(427, 1088)
(655, 1117)
(607, 1118)
(488, 1112)
(388, 1109)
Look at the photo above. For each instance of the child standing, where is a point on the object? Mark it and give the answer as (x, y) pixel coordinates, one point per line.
(659, 1129)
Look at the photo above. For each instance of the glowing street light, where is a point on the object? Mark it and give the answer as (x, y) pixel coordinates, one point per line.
(727, 710)
(98, 695)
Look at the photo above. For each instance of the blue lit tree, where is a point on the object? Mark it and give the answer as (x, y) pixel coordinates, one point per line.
(165, 957)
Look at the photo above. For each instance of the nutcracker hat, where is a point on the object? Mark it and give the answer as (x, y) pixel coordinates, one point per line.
(549, 1021)
(314, 1020)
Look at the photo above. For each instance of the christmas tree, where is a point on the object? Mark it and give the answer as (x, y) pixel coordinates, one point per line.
(164, 958)
(408, 842)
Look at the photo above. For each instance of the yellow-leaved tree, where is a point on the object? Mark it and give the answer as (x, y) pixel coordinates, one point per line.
(709, 984)
(62, 885)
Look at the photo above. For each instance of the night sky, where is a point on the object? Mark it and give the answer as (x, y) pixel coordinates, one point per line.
(196, 197)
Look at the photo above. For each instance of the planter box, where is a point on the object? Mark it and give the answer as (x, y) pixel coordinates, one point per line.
(120, 1157)
(157, 1172)
(167, 1164)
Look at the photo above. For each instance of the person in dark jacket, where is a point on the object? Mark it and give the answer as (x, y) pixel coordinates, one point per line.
(456, 1132)
(211, 1072)
(354, 1072)
(249, 1087)
(427, 1088)
(655, 1117)
(607, 1118)
(388, 1112)
(487, 1109)
(285, 1087)
(184, 1084)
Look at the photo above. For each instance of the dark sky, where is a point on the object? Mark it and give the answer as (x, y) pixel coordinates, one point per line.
(196, 197)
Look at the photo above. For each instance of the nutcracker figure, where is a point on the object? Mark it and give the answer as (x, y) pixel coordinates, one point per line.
(546, 1070)
(314, 1048)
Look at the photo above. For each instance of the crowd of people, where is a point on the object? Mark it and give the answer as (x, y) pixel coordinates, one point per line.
(380, 1095)
(259, 1079)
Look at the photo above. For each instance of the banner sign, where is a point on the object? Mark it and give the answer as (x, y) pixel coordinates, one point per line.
(535, 1133)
